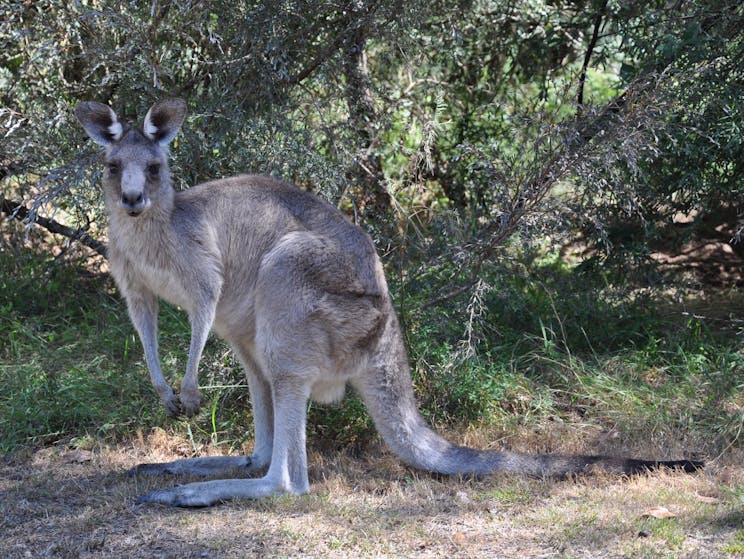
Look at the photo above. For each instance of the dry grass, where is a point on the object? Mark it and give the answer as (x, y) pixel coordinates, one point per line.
(60, 502)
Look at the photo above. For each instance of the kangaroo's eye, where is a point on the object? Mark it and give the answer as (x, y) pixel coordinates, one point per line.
(113, 168)
(153, 169)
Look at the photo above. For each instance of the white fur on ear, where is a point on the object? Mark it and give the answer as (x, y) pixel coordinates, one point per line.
(151, 130)
(115, 128)
(163, 120)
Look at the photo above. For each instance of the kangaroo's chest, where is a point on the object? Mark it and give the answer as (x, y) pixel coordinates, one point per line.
(137, 270)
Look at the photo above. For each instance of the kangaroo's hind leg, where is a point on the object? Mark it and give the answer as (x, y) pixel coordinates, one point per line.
(291, 383)
(292, 351)
(288, 470)
(263, 409)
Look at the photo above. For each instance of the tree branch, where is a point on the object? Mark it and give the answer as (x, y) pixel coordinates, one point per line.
(20, 212)
(588, 55)
(534, 188)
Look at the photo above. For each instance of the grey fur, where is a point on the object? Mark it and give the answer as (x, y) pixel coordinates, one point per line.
(297, 291)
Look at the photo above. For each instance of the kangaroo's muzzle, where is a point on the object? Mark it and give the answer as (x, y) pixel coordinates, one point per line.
(134, 202)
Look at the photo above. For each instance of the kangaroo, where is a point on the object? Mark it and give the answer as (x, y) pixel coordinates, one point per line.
(297, 291)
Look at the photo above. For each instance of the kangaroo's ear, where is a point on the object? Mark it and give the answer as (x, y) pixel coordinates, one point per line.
(164, 119)
(100, 122)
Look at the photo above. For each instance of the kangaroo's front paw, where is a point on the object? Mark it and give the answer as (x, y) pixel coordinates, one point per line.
(172, 403)
(190, 402)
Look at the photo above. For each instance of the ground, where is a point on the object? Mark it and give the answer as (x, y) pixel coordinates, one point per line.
(70, 502)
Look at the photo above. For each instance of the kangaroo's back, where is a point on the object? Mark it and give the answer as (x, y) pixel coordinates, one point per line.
(251, 213)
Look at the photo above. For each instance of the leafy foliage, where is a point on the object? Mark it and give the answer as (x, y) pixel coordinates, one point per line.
(694, 169)
(444, 106)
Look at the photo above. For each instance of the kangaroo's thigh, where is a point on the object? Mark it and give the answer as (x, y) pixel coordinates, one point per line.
(312, 303)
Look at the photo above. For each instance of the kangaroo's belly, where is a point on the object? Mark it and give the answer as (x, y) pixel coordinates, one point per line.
(328, 391)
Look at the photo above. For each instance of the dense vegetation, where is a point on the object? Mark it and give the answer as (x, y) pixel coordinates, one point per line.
(520, 165)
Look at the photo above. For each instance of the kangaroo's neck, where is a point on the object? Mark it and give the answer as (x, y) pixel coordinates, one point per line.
(150, 237)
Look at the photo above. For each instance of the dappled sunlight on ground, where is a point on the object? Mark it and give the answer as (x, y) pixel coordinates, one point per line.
(64, 502)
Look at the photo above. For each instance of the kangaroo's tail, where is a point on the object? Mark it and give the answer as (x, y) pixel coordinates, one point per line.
(388, 394)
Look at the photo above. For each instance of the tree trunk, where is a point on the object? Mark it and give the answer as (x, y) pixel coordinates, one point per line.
(366, 173)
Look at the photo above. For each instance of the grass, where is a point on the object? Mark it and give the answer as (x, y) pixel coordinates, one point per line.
(542, 350)
(72, 366)
(737, 545)
(533, 357)
(540, 367)
(68, 356)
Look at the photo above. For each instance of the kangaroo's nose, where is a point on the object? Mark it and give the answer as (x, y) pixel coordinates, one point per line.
(133, 202)
(131, 199)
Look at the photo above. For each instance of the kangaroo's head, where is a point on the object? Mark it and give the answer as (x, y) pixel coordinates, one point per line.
(137, 174)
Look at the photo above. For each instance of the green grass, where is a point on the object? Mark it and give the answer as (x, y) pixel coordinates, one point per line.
(70, 362)
(530, 350)
(737, 546)
(544, 341)
(68, 359)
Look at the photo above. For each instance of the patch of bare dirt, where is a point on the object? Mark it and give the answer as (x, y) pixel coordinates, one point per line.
(714, 256)
(62, 502)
